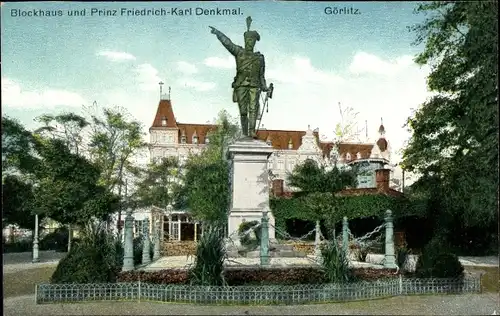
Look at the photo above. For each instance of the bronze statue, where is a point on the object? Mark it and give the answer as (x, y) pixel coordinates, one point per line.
(249, 81)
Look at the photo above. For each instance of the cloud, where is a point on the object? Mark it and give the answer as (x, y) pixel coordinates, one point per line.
(116, 56)
(305, 94)
(147, 77)
(364, 63)
(197, 85)
(301, 71)
(14, 96)
(218, 62)
(186, 67)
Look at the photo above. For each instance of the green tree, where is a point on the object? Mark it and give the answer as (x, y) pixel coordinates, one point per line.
(115, 138)
(206, 189)
(17, 147)
(455, 133)
(17, 202)
(68, 127)
(312, 177)
(160, 183)
(67, 187)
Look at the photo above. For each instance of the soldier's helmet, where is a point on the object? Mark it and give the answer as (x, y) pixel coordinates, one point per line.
(252, 34)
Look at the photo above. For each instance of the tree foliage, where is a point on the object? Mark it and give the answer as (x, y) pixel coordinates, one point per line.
(206, 190)
(17, 202)
(454, 144)
(17, 147)
(67, 187)
(160, 183)
(312, 177)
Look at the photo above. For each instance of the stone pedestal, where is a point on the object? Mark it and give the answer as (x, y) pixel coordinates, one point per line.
(249, 185)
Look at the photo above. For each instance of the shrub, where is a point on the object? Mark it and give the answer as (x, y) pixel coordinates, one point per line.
(335, 263)
(138, 248)
(208, 267)
(97, 258)
(255, 276)
(402, 253)
(436, 262)
(245, 239)
(18, 246)
(56, 240)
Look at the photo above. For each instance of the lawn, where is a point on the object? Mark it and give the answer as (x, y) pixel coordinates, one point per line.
(23, 282)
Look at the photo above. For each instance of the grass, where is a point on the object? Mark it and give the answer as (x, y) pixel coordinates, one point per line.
(23, 282)
(489, 279)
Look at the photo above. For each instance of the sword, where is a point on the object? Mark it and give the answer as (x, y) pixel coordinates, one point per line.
(269, 95)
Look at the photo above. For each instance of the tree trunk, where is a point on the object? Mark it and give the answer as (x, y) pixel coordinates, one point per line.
(118, 224)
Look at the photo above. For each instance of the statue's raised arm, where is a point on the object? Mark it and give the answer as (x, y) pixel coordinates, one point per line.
(226, 42)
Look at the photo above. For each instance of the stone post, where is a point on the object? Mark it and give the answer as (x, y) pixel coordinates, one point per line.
(317, 240)
(156, 254)
(128, 253)
(264, 240)
(390, 257)
(146, 243)
(35, 242)
(345, 236)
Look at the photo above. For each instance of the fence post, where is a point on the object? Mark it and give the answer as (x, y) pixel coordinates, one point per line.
(128, 253)
(146, 243)
(390, 257)
(317, 240)
(345, 236)
(139, 294)
(264, 240)
(156, 254)
(400, 284)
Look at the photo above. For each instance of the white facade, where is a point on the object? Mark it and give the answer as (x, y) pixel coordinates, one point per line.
(165, 143)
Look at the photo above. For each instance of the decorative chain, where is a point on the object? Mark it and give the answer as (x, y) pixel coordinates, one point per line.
(363, 239)
(287, 236)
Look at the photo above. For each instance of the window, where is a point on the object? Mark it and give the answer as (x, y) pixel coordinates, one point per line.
(291, 165)
(170, 139)
(280, 164)
(163, 138)
(164, 121)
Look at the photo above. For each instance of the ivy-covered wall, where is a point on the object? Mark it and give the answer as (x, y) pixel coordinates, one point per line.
(326, 206)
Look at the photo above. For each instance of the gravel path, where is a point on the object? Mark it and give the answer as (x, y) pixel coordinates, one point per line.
(474, 304)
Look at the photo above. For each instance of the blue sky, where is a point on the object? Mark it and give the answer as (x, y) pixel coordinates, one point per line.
(315, 60)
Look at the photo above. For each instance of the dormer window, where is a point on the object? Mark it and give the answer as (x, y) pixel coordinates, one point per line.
(207, 140)
(290, 144)
(183, 137)
(163, 121)
(348, 156)
(195, 138)
(358, 155)
(268, 140)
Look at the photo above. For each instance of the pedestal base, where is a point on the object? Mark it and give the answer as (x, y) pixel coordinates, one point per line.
(249, 185)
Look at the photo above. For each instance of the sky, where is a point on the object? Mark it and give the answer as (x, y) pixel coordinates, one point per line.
(54, 64)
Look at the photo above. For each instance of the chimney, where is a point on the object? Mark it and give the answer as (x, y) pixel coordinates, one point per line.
(278, 187)
(382, 178)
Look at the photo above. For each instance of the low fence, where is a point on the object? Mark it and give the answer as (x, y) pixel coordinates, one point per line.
(270, 294)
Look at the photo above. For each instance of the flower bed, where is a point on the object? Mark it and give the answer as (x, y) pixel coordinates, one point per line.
(241, 276)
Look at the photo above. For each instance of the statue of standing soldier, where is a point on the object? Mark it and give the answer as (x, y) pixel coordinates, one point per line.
(249, 81)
